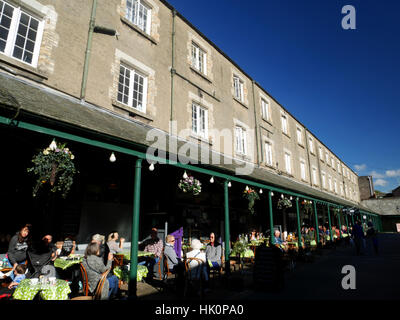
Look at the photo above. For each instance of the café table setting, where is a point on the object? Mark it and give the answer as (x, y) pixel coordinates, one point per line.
(66, 262)
(48, 289)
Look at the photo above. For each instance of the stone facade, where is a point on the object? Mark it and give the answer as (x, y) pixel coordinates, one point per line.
(163, 56)
(366, 186)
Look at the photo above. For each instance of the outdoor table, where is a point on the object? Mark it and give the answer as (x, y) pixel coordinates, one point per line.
(123, 274)
(127, 255)
(57, 291)
(67, 263)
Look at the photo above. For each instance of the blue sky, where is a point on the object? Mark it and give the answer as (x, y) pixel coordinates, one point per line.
(343, 85)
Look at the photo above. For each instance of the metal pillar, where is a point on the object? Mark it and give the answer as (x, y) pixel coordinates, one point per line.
(135, 229)
(316, 221)
(340, 225)
(329, 220)
(298, 223)
(271, 219)
(227, 234)
(347, 224)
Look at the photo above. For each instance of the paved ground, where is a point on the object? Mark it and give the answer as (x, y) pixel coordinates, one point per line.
(377, 278)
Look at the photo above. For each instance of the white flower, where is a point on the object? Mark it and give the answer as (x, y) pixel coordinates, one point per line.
(53, 145)
(72, 157)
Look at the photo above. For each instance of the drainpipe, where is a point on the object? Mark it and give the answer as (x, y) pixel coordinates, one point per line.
(88, 49)
(256, 127)
(172, 68)
(135, 229)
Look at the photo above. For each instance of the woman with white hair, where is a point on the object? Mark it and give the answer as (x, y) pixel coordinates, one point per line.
(197, 267)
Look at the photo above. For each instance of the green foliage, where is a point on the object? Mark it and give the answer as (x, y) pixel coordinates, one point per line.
(54, 166)
(284, 203)
(251, 196)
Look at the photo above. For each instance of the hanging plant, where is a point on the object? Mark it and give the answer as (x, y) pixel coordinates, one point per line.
(190, 184)
(284, 203)
(307, 205)
(251, 196)
(54, 166)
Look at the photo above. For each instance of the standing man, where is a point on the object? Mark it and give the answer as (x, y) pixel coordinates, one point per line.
(358, 236)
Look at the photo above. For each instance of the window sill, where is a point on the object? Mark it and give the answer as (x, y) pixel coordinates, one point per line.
(240, 102)
(269, 166)
(312, 153)
(138, 30)
(285, 134)
(267, 121)
(15, 66)
(201, 74)
(242, 156)
(301, 145)
(132, 111)
(200, 139)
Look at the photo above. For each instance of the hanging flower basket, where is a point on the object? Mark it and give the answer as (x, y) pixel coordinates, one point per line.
(190, 185)
(54, 165)
(251, 196)
(284, 203)
(307, 205)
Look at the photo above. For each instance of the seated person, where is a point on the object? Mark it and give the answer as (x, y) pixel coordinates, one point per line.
(277, 237)
(95, 267)
(197, 269)
(174, 264)
(253, 235)
(18, 246)
(104, 250)
(154, 245)
(214, 253)
(112, 243)
(47, 239)
(19, 275)
(68, 246)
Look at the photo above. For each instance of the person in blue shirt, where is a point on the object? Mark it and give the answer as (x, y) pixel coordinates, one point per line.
(19, 275)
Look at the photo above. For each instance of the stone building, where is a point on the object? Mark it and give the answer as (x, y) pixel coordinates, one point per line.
(125, 71)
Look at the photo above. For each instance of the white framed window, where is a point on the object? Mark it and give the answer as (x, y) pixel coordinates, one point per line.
(238, 88)
(240, 140)
(348, 174)
(330, 183)
(284, 123)
(132, 88)
(327, 158)
(321, 156)
(288, 163)
(139, 13)
(344, 171)
(338, 167)
(333, 163)
(303, 169)
(268, 154)
(20, 34)
(346, 191)
(341, 189)
(311, 144)
(323, 176)
(199, 120)
(299, 136)
(199, 59)
(335, 186)
(265, 111)
(314, 176)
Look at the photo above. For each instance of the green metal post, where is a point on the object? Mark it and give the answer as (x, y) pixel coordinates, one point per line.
(298, 223)
(352, 220)
(227, 234)
(340, 225)
(271, 219)
(135, 228)
(329, 219)
(347, 224)
(316, 222)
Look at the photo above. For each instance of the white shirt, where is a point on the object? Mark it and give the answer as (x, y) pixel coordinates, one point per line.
(194, 265)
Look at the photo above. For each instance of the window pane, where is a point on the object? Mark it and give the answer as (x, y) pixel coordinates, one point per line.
(27, 57)
(17, 53)
(32, 34)
(20, 41)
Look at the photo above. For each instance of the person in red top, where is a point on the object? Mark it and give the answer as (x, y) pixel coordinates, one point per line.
(154, 245)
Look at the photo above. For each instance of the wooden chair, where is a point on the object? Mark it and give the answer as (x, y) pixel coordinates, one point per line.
(189, 279)
(85, 284)
(99, 288)
(118, 260)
